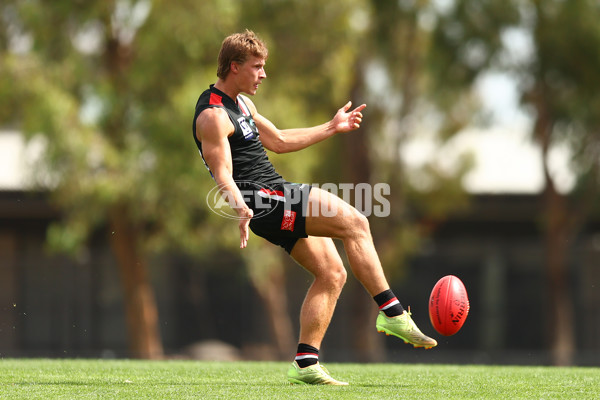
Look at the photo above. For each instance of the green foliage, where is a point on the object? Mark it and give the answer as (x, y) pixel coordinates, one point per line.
(468, 38)
(417, 87)
(435, 53)
(111, 86)
(562, 80)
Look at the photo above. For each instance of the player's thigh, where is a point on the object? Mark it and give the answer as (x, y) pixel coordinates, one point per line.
(328, 215)
(320, 257)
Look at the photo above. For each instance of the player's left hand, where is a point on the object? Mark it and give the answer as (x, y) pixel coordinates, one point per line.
(346, 121)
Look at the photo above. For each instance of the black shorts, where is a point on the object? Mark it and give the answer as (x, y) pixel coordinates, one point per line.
(279, 212)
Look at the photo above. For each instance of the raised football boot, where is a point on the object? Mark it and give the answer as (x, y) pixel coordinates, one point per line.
(404, 327)
(314, 374)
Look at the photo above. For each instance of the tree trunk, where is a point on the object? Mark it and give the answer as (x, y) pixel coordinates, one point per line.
(357, 168)
(275, 302)
(560, 321)
(267, 274)
(140, 304)
(366, 342)
(557, 232)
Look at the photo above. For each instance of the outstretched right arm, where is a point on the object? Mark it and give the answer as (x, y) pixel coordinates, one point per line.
(213, 127)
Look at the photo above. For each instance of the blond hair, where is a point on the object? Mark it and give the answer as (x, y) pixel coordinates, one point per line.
(237, 48)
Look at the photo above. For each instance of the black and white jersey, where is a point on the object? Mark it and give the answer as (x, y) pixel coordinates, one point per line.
(249, 158)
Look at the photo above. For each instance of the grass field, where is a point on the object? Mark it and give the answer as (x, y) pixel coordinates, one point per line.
(129, 379)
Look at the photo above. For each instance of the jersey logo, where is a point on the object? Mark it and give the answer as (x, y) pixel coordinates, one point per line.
(246, 128)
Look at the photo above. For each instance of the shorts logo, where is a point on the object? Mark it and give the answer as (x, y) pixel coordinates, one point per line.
(288, 221)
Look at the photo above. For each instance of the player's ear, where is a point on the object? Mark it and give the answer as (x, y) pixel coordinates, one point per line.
(234, 67)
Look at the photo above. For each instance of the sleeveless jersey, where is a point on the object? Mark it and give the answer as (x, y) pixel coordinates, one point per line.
(249, 158)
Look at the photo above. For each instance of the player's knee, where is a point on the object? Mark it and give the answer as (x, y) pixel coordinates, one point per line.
(335, 275)
(360, 223)
(339, 276)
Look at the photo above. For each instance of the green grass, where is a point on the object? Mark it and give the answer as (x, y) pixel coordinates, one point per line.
(129, 379)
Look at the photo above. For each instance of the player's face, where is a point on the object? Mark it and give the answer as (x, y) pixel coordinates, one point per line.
(252, 72)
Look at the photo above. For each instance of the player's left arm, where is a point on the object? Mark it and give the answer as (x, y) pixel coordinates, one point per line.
(289, 140)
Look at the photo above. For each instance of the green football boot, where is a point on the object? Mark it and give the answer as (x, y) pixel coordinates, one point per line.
(403, 326)
(312, 375)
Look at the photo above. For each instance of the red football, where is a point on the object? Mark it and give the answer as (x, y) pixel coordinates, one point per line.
(448, 305)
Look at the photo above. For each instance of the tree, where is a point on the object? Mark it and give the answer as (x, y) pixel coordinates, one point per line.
(110, 87)
(410, 76)
(557, 82)
(89, 78)
(309, 78)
